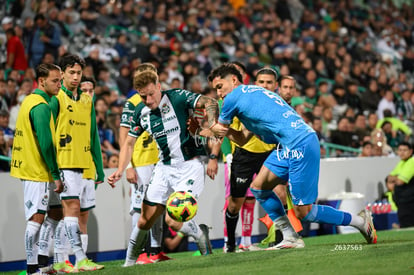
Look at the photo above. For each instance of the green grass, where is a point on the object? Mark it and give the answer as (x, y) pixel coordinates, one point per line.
(339, 254)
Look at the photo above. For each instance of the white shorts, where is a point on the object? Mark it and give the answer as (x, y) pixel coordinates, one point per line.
(88, 195)
(166, 179)
(54, 199)
(36, 197)
(73, 184)
(138, 190)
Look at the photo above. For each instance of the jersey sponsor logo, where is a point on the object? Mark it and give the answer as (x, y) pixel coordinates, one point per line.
(289, 113)
(165, 132)
(18, 132)
(251, 89)
(288, 154)
(70, 108)
(169, 118)
(17, 148)
(64, 139)
(29, 204)
(45, 200)
(165, 109)
(297, 124)
(241, 180)
(16, 163)
(147, 141)
(76, 123)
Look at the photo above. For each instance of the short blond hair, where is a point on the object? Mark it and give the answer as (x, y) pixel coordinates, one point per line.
(145, 73)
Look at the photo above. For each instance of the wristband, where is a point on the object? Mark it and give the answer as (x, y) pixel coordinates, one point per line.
(180, 234)
(129, 165)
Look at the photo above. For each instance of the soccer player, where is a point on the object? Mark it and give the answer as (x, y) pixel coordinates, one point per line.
(164, 114)
(34, 158)
(287, 88)
(88, 193)
(77, 142)
(247, 160)
(265, 114)
(139, 172)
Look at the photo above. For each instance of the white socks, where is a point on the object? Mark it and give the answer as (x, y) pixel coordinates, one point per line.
(73, 233)
(135, 218)
(357, 221)
(192, 229)
(47, 232)
(156, 232)
(137, 241)
(84, 240)
(31, 237)
(287, 229)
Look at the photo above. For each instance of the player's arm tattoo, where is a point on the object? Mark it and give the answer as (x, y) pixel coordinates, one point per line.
(211, 107)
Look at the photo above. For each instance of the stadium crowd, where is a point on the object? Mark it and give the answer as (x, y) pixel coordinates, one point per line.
(353, 61)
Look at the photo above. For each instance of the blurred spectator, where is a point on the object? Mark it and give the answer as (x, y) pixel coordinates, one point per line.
(398, 126)
(326, 99)
(366, 149)
(379, 144)
(3, 95)
(123, 81)
(328, 122)
(339, 94)
(310, 98)
(16, 56)
(113, 161)
(317, 126)
(4, 126)
(372, 121)
(361, 128)
(343, 135)
(353, 97)
(387, 102)
(45, 38)
(4, 151)
(25, 89)
(371, 97)
(404, 107)
(392, 137)
(122, 47)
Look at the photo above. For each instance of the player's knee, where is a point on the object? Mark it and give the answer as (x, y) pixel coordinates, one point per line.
(144, 223)
(303, 212)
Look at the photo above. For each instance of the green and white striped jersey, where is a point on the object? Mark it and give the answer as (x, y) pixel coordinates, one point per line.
(167, 125)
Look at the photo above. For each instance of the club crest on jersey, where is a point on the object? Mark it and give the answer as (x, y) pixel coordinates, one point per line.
(165, 108)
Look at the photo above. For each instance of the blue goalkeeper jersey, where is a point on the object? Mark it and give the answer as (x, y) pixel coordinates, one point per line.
(266, 114)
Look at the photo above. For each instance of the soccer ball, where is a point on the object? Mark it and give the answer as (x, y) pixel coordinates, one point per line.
(181, 206)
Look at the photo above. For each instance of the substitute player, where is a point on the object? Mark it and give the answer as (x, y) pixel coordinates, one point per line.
(34, 158)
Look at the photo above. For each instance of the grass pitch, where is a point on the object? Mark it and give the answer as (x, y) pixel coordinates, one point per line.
(339, 254)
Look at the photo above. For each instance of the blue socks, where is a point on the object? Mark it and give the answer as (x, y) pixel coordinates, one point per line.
(270, 203)
(327, 214)
(319, 213)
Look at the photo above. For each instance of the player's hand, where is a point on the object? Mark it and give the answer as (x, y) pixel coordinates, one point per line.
(116, 176)
(59, 186)
(212, 168)
(131, 175)
(219, 130)
(192, 125)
